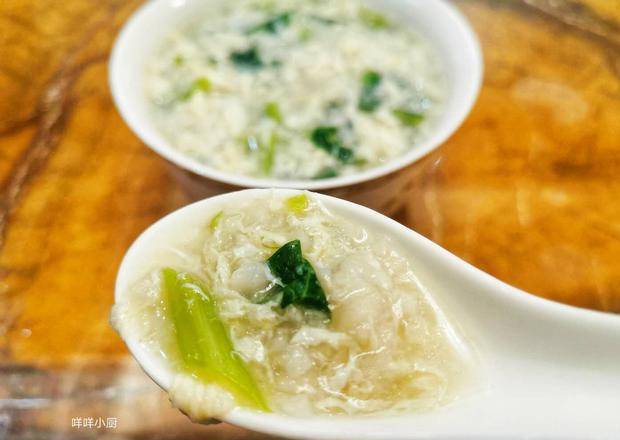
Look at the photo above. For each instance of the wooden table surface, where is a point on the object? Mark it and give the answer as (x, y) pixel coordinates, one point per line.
(527, 190)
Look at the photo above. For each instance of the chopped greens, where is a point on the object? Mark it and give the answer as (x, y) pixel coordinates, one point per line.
(215, 220)
(272, 111)
(369, 100)
(299, 283)
(297, 204)
(266, 5)
(304, 34)
(323, 20)
(268, 151)
(326, 173)
(328, 138)
(248, 59)
(374, 19)
(273, 25)
(263, 149)
(407, 117)
(203, 341)
(201, 84)
(178, 60)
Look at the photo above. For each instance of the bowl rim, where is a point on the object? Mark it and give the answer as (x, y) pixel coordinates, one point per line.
(162, 147)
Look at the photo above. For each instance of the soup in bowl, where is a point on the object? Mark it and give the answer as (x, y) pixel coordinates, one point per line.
(313, 95)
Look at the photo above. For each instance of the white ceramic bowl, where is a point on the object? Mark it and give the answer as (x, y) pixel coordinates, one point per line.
(437, 21)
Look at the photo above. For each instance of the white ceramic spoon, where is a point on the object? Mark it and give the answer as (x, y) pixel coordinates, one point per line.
(548, 370)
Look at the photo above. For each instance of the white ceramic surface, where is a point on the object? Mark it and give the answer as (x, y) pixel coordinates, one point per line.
(549, 371)
(436, 20)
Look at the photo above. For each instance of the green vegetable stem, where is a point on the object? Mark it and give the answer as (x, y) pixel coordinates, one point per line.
(369, 99)
(201, 84)
(268, 153)
(203, 341)
(407, 117)
(373, 19)
(272, 111)
(297, 204)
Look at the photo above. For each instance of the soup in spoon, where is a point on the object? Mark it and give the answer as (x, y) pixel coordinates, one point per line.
(278, 304)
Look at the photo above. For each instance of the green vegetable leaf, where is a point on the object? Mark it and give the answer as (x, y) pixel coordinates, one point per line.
(273, 25)
(328, 138)
(407, 117)
(297, 204)
(300, 285)
(201, 84)
(203, 341)
(248, 59)
(272, 111)
(374, 19)
(369, 100)
(326, 173)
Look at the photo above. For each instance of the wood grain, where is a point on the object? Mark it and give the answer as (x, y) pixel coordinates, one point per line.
(527, 190)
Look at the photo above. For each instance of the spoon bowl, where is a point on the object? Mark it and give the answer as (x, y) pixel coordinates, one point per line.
(547, 370)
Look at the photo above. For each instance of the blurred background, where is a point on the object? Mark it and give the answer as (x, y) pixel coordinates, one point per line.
(527, 190)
